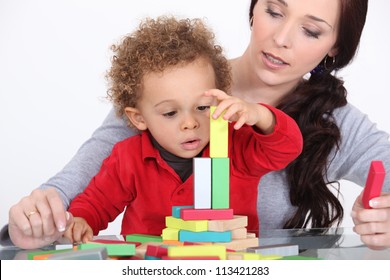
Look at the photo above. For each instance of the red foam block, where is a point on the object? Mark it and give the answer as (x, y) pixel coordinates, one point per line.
(373, 188)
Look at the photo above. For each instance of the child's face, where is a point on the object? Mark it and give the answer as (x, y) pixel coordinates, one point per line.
(175, 111)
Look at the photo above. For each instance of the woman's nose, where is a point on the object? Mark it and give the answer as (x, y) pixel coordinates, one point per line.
(283, 35)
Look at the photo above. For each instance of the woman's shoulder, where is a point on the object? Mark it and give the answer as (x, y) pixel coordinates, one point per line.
(348, 113)
(350, 119)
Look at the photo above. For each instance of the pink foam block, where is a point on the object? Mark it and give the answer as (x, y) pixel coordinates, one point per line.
(373, 188)
(206, 214)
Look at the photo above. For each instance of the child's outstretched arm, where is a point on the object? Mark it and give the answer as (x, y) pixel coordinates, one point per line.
(242, 112)
(79, 231)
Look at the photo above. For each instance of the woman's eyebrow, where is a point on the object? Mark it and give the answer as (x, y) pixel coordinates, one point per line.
(284, 3)
(318, 19)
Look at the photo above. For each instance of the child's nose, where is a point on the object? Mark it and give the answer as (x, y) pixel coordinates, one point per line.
(190, 122)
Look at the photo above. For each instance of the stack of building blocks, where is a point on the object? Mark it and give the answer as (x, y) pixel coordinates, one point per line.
(206, 230)
(210, 219)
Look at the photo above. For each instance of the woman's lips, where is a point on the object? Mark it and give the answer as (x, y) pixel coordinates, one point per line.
(273, 62)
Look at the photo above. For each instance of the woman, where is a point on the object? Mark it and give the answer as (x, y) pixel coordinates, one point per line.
(289, 39)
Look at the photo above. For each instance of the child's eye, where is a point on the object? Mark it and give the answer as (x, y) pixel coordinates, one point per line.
(203, 108)
(170, 114)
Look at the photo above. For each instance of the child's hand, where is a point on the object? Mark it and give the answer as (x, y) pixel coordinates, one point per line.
(242, 112)
(79, 231)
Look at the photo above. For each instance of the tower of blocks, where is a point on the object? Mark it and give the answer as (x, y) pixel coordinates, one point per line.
(210, 220)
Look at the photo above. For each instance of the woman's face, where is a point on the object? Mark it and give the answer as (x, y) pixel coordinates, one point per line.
(291, 37)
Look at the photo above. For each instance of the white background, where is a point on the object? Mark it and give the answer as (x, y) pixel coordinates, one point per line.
(54, 54)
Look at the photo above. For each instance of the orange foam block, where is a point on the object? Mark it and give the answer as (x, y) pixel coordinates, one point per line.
(240, 244)
(226, 225)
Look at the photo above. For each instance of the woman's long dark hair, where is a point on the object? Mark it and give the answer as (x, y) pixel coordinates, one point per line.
(311, 105)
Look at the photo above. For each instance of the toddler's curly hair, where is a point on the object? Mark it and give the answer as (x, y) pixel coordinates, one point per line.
(157, 45)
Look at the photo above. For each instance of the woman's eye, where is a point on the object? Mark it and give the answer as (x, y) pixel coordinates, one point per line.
(312, 34)
(169, 114)
(203, 108)
(272, 13)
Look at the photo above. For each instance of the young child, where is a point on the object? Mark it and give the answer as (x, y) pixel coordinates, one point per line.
(164, 77)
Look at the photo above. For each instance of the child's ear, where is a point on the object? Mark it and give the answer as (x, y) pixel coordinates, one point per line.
(135, 117)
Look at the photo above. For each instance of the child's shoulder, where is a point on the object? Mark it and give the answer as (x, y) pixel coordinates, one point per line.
(130, 142)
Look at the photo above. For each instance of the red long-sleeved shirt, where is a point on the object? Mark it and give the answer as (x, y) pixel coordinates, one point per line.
(136, 179)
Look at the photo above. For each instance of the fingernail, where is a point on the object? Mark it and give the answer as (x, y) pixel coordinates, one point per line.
(373, 203)
(61, 228)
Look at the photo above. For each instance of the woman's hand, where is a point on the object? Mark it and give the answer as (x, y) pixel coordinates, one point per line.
(373, 225)
(38, 220)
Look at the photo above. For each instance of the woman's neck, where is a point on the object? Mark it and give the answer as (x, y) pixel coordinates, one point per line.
(248, 86)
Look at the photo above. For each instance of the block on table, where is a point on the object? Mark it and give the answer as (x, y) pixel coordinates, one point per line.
(206, 214)
(202, 183)
(87, 254)
(198, 250)
(40, 255)
(250, 256)
(112, 249)
(238, 221)
(276, 249)
(220, 183)
(172, 222)
(240, 244)
(205, 236)
(170, 234)
(191, 258)
(143, 238)
(156, 251)
(239, 233)
(176, 210)
(218, 136)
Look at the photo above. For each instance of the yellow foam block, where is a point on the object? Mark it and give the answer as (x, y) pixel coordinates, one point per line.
(226, 225)
(193, 225)
(198, 250)
(170, 234)
(218, 136)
